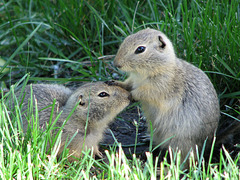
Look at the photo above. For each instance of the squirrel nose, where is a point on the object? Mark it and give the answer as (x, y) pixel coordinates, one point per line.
(117, 65)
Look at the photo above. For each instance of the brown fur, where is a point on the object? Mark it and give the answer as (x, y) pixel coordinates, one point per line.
(177, 97)
(98, 111)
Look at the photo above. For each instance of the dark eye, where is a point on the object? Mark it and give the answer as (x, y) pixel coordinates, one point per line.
(103, 94)
(140, 49)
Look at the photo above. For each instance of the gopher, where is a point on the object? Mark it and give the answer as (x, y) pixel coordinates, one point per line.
(177, 97)
(97, 104)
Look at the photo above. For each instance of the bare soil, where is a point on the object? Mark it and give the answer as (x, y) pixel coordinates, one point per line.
(129, 129)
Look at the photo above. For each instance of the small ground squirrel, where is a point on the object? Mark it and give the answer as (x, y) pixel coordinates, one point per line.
(177, 97)
(98, 103)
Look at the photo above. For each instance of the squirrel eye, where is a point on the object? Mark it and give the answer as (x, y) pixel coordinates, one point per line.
(103, 94)
(140, 49)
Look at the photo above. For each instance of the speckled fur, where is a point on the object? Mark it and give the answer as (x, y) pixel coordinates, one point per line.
(98, 111)
(177, 97)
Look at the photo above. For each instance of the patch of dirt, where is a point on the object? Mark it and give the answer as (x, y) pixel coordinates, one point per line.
(129, 126)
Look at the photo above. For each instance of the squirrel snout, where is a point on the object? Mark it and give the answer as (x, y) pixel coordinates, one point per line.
(116, 64)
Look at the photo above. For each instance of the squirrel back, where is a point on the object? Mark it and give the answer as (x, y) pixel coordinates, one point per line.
(44, 94)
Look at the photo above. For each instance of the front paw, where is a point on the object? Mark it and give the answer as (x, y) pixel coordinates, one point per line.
(99, 154)
(121, 84)
(111, 83)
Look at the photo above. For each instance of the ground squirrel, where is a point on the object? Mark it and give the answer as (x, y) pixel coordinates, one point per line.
(97, 102)
(177, 97)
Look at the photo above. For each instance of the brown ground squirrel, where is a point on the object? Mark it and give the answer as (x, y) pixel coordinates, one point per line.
(177, 97)
(99, 103)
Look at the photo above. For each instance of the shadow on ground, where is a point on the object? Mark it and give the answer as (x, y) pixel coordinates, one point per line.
(129, 129)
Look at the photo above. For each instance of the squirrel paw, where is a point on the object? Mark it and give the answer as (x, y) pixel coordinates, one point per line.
(111, 83)
(99, 154)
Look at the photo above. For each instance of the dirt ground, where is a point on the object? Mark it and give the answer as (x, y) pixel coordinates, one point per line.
(128, 127)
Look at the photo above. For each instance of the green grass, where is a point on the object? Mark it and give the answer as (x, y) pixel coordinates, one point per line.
(26, 157)
(61, 41)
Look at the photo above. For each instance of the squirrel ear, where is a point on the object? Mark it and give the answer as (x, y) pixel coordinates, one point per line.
(162, 43)
(80, 100)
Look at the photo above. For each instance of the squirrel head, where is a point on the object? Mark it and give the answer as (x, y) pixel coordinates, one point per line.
(97, 102)
(146, 51)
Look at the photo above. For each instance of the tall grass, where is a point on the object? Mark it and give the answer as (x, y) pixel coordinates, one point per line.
(26, 157)
(66, 38)
(61, 41)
